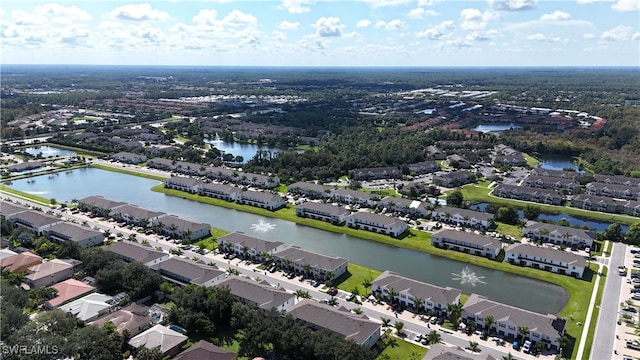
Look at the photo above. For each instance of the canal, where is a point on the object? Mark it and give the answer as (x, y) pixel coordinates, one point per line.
(512, 289)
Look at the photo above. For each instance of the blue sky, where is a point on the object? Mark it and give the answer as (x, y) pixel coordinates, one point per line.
(322, 32)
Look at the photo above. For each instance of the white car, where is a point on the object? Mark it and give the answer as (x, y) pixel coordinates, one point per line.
(526, 347)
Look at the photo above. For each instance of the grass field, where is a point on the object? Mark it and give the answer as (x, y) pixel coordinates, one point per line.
(354, 277)
(395, 348)
(129, 172)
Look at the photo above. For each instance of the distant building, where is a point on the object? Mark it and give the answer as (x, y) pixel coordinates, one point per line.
(160, 337)
(376, 173)
(326, 212)
(204, 350)
(258, 294)
(186, 271)
(83, 236)
(467, 242)
(462, 217)
(378, 223)
(129, 251)
(545, 258)
(129, 158)
(35, 221)
(556, 234)
(310, 190)
(320, 266)
(454, 178)
(255, 247)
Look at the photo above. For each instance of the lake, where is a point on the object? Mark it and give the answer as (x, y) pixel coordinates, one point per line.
(558, 162)
(247, 151)
(495, 127)
(47, 151)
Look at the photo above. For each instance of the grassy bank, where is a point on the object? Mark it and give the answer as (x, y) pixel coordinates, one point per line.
(129, 172)
(594, 316)
(30, 197)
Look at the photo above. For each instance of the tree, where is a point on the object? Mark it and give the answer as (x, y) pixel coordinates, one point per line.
(302, 294)
(473, 346)
(367, 284)
(531, 212)
(633, 234)
(613, 233)
(507, 215)
(385, 321)
(454, 311)
(399, 326)
(508, 357)
(433, 337)
(333, 301)
(149, 354)
(455, 198)
(489, 320)
(418, 303)
(523, 331)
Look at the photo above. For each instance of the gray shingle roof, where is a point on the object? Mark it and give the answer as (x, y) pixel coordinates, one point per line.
(421, 290)
(197, 273)
(377, 218)
(443, 352)
(547, 253)
(35, 218)
(469, 237)
(265, 296)
(238, 237)
(73, 232)
(182, 224)
(135, 251)
(534, 225)
(324, 262)
(465, 212)
(100, 202)
(324, 208)
(7, 209)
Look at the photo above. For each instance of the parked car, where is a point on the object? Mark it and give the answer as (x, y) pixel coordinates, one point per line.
(440, 320)
(433, 320)
(636, 296)
(527, 346)
(418, 338)
(316, 283)
(333, 291)
(633, 344)
(351, 297)
(515, 345)
(630, 309)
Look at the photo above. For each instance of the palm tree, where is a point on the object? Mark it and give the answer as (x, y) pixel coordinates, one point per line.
(488, 322)
(288, 263)
(358, 311)
(333, 301)
(508, 357)
(367, 284)
(473, 346)
(302, 294)
(399, 326)
(563, 340)
(307, 269)
(329, 275)
(245, 251)
(418, 303)
(455, 311)
(385, 321)
(392, 295)
(523, 331)
(107, 233)
(433, 337)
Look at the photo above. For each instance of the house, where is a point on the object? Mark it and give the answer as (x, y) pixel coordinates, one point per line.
(348, 196)
(407, 291)
(178, 228)
(204, 350)
(462, 162)
(136, 216)
(556, 234)
(310, 190)
(258, 294)
(130, 251)
(7, 209)
(614, 190)
(454, 178)
(134, 318)
(616, 179)
(325, 212)
(97, 205)
(467, 242)
(424, 167)
(83, 236)
(378, 223)
(435, 153)
(510, 160)
(632, 208)
(67, 290)
(129, 158)
(20, 262)
(51, 272)
(546, 182)
(312, 264)
(357, 328)
(89, 307)
(543, 328)
(526, 193)
(444, 352)
(260, 199)
(248, 246)
(258, 180)
(182, 183)
(554, 173)
(546, 258)
(462, 217)
(25, 166)
(161, 164)
(388, 172)
(598, 203)
(412, 208)
(218, 191)
(35, 221)
(220, 173)
(160, 337)
(5, 253)
(186, 271)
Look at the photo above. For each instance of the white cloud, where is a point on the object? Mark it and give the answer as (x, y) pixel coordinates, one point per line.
(438, 31)
(556, 16)
(279, 35)
(420, 13)
(72, 12)
(395, 24)
(363, 23)
(541, 37)
(474, 19)
(296, 6)
(382, 3)
(24, 18)
(481, 35)
(328, 27)
(137, 12)
(238, 18)
(619, 32)
(626, 5)
(635, 36)
(205, 17)
(286, 25)
(536, 37)
(512, 5)
(591, 1)
(588, 35)
(458, 43)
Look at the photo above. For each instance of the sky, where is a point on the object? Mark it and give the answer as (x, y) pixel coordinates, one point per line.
(395, 33)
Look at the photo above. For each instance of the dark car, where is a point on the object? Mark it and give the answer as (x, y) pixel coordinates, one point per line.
(333, 291)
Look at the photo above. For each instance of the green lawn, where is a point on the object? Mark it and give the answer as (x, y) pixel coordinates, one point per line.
(354, 277)
(395, 348)
(531, 161)
(129, 172)
(594, 315)
(34, 198)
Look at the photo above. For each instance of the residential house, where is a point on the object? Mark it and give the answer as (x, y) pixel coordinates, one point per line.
(161, 164)
(25, 166)
(130, 251)
(378, 223)
(51, 272)
(467, 242)
(454, 178)
(554, 173)
(5, 253)
(136, 215)
(424, 167)
(408, 292)
(462, 217)
(598, 203)
(7, 209)
(326, 212)
(312, 264)
(182, 183)
(99, 206)
(462, 162)
(435, 153)
(310, 190)
(265, 200)
(516, 159)
(35, 221)
(412, 208)
(357, 328)
(388, 172)
(204, 350)
(508, 319)
(614, 190)
(616, 179)
(258, 294)
(83, 236)
(177, 228)
(354, 197)
(546, 182)
(258, 180)
(221, 173)
(525, 193)
(129, 158)
(134, 318)
(556, 234)
(546, 258)
(632, 208)
(186, 271)
(89, 307)
(160, 337)
(218, 191)
(67, 291)
(444, 352)
(20, 262)
(249, 246)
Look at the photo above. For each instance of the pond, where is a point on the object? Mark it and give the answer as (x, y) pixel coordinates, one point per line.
(47, 151)
(558, 162)
(495, 127)
(247, 151)
(516, 290)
